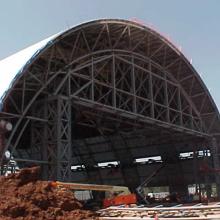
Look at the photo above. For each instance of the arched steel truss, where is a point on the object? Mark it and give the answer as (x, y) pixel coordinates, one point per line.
(114, 68)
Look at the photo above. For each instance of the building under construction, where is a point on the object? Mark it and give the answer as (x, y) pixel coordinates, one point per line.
(111, 102)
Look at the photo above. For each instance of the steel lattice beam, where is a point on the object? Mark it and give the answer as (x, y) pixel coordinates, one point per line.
(127, 76)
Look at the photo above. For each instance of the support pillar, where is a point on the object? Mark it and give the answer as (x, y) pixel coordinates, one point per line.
(176, 179)
(195, 171)
(215, 152)
(2, 138)
(58, 149)
(180, 189)
(4, 128)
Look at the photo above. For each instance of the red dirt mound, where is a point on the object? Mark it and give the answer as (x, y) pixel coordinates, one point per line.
(24, 197)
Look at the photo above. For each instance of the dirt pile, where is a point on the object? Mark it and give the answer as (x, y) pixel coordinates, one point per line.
(23, 196)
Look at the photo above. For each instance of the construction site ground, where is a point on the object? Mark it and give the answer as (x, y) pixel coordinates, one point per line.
(24, 197)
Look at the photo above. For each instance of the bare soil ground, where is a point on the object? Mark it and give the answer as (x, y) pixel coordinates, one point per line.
(24, 197)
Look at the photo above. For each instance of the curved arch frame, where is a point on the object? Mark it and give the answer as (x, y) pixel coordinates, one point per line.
(128, 57)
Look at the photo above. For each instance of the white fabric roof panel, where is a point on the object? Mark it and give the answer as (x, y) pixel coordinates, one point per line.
(11, 66)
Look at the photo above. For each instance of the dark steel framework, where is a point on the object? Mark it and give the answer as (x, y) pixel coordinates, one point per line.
(114, 79)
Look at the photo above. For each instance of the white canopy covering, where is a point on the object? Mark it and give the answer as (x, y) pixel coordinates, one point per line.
(12, 65)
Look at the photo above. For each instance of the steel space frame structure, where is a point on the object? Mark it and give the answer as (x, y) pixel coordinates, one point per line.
(113, 76)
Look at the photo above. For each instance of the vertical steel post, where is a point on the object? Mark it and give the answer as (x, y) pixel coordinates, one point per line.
(167, 100)
(113, 82)
(195, 168)
(92, 86)
(64, 151)
(151, 92)
(133, 87)
(216, 162)
(180, 106)
(57, 149)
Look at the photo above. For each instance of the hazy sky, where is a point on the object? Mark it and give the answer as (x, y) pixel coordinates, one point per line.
(192, 24)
